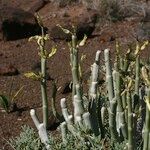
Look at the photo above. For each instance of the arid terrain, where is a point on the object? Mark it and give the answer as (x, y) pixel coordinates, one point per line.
(22, 55)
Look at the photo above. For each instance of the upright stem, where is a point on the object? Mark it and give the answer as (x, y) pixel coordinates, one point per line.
(43, 81)
(147, 124)
(74, 64)
(123, 125)
(44, 92)
(137, 75)
(112, 119)
(54, 110)
(130, 122)
(109, 78)
(112, 99)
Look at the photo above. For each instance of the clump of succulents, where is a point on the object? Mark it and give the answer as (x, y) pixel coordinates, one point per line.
(108, 117)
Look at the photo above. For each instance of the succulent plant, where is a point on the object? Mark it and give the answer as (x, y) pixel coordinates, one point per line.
(122, 93)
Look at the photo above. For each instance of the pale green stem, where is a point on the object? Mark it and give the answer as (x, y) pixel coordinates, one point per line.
(87, 120)
(74, 64)
(112, 119)
(64, 109)
(41, 129)
(44, 92)
(120, 109)
(63, 127)
(124, 104)
(147, 124)
(137, 75)
(130, 123)
(112, 100)
(109, 78)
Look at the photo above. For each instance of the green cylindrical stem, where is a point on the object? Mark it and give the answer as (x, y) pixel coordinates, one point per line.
(95, 68)
(64, 109)
(74, 59)
(124, 104)
(121, 63)
(94, 76)
(75, 71)
(109, 79)
(112, 100)
(79, 94)
(102, 112)
(41, 129)
(74, 64)
(130, 122)
(112, 119)
(93, 94)
(78, 107)
(93, 90)
(34, 118)
(63, 127)
(147, 124)
(120, 106)
(74, 40)
(78, 103)
(87, 120)
(121, 113)
(44, 92)
(44, 136)
(126, 65)
(137, 75)
(54, 110)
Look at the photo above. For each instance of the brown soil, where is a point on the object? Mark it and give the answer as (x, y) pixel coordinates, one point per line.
(24, 55)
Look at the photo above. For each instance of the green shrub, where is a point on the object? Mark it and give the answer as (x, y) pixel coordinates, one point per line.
(28, 140)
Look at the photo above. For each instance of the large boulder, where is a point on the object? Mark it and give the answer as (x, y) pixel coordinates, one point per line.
(17, 24)
(84, 24)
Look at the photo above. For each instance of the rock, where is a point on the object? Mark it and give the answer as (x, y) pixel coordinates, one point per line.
(16, 24)
(8, 70)
(84, 24)
(37, 5)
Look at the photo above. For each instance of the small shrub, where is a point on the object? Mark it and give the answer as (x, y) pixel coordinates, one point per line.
(28, 140)
(114, 10)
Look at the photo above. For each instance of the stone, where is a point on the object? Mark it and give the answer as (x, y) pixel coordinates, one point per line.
(8, 70)
(16, 24)
(37, 5)
(84, 24)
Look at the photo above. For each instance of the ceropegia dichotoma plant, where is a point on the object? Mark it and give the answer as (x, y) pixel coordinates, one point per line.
(122, 85)
(123, 91)
(44, 55)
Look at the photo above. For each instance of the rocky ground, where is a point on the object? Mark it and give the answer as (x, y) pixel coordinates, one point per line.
(18, 56)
